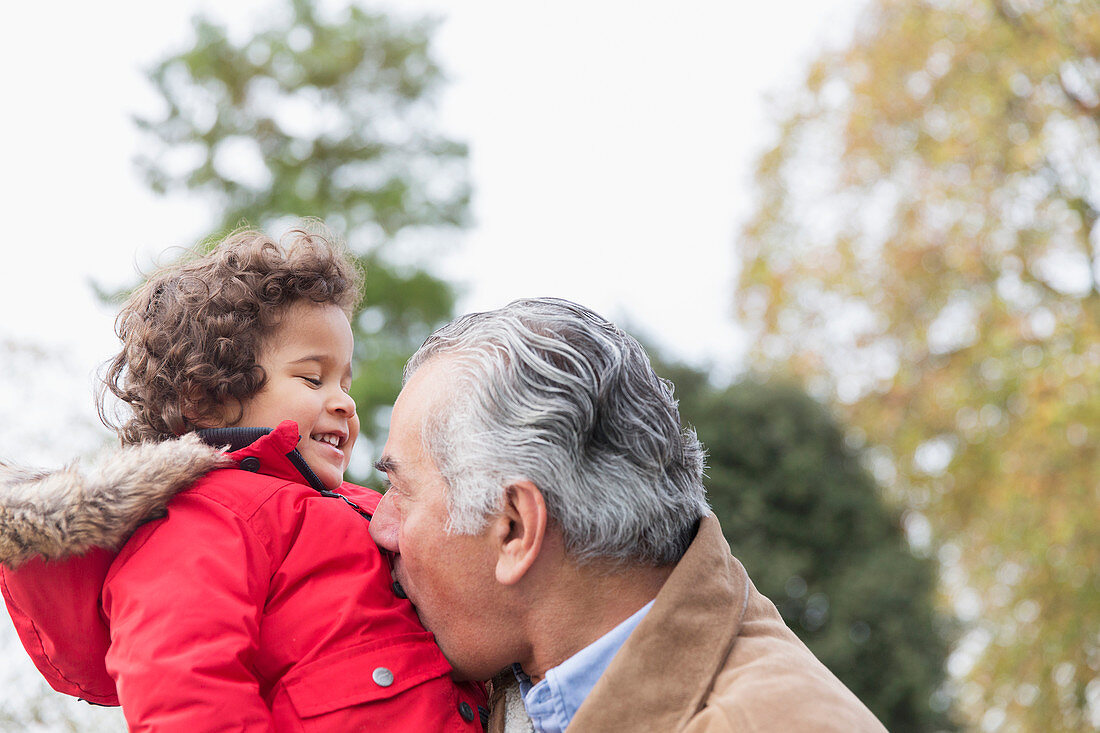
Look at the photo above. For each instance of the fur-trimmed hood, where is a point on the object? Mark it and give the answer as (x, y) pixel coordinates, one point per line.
(67, 511)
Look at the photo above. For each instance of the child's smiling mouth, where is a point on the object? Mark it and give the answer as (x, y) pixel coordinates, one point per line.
(334, 439)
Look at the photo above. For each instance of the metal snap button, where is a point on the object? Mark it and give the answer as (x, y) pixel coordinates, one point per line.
(382, 677)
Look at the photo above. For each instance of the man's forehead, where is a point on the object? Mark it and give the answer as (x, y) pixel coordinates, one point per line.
(434, 377)
(405, 452)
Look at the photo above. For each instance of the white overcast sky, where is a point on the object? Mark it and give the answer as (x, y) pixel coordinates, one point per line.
(611, 149)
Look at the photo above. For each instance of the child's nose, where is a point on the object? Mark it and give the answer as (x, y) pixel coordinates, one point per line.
(343, 404)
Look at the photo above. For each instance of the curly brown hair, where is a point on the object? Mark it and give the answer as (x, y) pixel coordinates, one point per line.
(193, 332)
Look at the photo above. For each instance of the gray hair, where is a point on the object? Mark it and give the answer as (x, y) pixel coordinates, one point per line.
(548, 391)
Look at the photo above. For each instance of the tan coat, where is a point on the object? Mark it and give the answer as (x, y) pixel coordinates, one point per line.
(713, 654)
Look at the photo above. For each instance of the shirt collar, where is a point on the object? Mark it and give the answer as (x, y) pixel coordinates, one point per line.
(554, 701)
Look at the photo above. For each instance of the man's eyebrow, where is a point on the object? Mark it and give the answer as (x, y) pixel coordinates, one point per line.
(385, 464)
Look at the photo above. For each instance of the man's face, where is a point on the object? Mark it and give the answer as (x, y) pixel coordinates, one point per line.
(449, 578)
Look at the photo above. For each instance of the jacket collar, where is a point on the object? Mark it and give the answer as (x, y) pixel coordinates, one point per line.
(273, 452)
(665, 670)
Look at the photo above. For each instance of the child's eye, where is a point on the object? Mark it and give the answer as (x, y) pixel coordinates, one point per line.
(313, 380)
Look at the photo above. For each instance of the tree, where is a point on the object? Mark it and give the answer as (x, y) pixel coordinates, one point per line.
(924, 252)
(806, 519)
(327, 118)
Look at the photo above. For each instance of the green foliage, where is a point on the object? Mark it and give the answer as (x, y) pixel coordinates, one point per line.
(328, 118)
(925, 253)
(806, 518)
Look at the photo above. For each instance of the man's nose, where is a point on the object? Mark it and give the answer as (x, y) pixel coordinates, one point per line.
(383, 525)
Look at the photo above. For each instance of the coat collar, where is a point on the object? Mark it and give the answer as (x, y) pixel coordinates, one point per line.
(665, 670)
(275, 452)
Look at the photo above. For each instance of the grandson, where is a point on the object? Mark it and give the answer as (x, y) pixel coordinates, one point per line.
(257, 601)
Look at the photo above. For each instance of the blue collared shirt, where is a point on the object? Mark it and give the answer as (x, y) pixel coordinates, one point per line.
(554, 701)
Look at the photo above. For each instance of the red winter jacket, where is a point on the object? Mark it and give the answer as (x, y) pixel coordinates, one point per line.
(257, 604)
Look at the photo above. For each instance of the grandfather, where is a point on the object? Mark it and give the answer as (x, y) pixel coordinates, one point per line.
(547, 517)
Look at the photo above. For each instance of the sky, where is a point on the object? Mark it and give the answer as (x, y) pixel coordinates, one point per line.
(611, 153)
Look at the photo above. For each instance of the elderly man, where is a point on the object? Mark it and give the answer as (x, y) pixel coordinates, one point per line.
(547, 517)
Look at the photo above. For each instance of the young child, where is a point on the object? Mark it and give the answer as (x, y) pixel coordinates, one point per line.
(257, 600)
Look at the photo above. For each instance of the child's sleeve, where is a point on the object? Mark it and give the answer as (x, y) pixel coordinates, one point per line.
(184, 601)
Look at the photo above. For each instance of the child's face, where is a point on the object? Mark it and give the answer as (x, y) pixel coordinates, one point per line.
(308, 364)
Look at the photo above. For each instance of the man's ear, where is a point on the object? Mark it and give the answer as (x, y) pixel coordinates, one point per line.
(519, 530)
